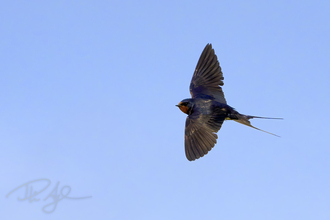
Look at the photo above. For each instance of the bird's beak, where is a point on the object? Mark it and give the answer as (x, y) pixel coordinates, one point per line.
(177, 105)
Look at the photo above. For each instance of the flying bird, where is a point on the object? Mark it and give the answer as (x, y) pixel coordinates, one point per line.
(208, 109)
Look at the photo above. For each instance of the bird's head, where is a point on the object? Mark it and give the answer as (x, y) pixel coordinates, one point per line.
(186, 106)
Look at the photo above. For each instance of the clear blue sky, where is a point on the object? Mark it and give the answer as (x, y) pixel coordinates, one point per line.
(87, 98)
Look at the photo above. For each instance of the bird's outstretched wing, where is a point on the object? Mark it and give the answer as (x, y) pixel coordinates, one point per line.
(208, 77)
(200, 133)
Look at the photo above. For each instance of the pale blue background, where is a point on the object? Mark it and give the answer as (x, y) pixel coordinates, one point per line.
(87, 98)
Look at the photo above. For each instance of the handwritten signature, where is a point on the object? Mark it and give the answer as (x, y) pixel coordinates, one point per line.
(30, 193)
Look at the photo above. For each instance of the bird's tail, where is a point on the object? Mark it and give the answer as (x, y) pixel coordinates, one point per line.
(245, 120)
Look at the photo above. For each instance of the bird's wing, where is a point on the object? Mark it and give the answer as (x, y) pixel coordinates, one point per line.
(208, 77)
(200, 133)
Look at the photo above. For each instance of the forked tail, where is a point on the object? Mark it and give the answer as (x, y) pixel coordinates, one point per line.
(250, 116)
(244, 119)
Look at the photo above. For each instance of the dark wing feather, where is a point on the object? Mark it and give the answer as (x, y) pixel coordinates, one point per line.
(208, 77)
(200, 133)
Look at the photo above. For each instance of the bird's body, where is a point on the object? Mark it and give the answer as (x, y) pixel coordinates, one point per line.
(207, 109)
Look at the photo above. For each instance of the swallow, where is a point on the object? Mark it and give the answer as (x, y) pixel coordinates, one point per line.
(207, 108)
